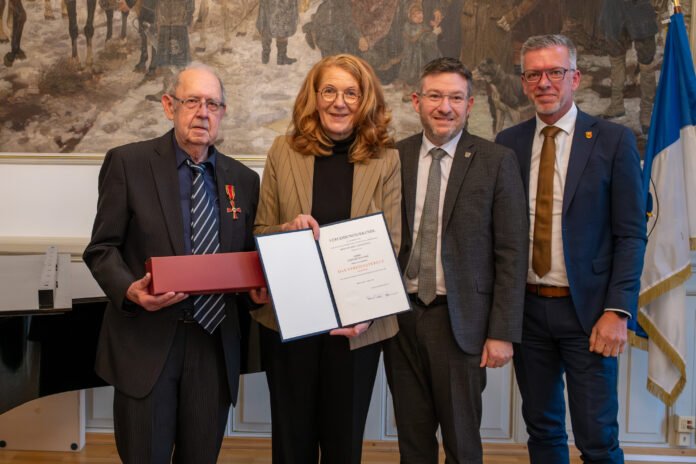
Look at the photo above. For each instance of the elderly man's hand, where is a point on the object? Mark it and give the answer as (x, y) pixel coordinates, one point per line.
(496, 353)
(259, 295)
(138, 294)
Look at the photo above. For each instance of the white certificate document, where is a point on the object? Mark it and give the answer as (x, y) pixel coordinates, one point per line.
(349, 275)
(296, 282)
(362, 269)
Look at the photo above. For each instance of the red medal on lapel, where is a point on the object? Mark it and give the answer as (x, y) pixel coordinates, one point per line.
(229, 189)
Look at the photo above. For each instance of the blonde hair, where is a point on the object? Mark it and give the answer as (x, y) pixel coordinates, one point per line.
(371, 119)
(413, 7)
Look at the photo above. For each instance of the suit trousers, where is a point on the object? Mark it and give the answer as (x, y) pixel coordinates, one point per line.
(553, 342)
(186, 411)
(320, 395)
(434, 382)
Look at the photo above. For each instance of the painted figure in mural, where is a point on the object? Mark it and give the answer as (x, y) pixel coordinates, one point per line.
(446, 14)
(330, 30)
(202, 24)
(370, 29)
(3, 35)
(580, 24)
(277, 20)
(380, 23)
(420, 47)
(625, 22)
(172, 21)
(586, 239)
(16, 11)
(506, 98)
(146, 20)
(486, 28)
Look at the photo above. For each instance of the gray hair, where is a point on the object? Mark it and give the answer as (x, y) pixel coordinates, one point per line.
(447, 65)
(537, 42)
(204, 67)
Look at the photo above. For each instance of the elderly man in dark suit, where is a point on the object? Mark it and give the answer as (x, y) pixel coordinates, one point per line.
(587, 237)
(174, 361)
(464, 253)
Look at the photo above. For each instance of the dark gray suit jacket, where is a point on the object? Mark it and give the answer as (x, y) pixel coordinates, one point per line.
(138, 217)
(484, 238)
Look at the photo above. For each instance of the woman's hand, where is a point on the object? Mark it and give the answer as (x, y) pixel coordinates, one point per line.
(302, 221)
(352, 331)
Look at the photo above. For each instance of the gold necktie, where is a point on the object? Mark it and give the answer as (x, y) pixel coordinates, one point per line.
(541, 252)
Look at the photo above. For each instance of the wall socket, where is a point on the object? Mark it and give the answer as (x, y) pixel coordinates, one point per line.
(682, 439)
(685, 424)
(684, 427)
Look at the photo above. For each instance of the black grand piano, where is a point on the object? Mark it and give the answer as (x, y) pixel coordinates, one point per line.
(50, 347)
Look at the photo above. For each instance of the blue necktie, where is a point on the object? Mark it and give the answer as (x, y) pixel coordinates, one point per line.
(209, 310)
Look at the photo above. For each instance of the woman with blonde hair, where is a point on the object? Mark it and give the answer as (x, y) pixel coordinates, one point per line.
(336, 162)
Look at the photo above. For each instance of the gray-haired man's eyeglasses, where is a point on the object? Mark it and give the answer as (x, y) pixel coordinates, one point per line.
(195, 103)
(554, 74)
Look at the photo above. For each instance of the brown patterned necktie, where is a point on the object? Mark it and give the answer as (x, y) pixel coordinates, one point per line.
(541, 252)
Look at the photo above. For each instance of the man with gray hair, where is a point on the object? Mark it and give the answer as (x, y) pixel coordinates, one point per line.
(587, 237)
(174, 361)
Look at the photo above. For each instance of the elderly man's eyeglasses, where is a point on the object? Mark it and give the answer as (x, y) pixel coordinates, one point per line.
(533, 76)
(195, 103)
(436, 98)
(350, 96)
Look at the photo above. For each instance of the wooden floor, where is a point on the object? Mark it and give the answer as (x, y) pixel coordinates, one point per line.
(100, 449)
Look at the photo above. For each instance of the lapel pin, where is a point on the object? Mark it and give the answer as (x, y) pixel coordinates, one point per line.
(229, 190)
(467, 154)
(588, 134)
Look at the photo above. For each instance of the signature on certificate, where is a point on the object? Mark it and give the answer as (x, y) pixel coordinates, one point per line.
(381, 295)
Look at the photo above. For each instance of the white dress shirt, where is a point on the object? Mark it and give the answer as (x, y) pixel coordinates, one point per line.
(557, 276)
(424, 160)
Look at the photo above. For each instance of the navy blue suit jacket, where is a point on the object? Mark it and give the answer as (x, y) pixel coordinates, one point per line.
(603, 222)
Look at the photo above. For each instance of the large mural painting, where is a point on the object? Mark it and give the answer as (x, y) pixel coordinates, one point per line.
(81, 76)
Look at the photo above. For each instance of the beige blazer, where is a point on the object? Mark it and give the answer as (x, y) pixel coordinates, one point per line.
(286, 191)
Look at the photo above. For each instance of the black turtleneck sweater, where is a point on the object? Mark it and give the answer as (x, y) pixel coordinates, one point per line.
(332, 188)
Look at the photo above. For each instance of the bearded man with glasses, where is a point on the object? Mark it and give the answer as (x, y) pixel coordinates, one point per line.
(587, 236)
(174, 361)
(464, 254)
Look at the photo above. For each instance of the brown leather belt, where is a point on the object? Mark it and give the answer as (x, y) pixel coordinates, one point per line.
(187, 316)
(548, 291)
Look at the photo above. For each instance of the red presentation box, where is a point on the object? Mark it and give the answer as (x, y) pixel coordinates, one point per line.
(200, 274)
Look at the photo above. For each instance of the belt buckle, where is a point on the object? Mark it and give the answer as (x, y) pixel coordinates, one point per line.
(187, 316)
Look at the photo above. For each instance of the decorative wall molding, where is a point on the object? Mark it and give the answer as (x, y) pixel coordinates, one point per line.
(37, 245)
(94, 158)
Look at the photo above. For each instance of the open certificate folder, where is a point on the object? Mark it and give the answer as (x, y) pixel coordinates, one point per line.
(350, 275)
